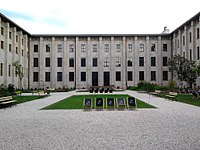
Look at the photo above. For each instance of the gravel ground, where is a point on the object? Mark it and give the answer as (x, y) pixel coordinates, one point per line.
(172, 125)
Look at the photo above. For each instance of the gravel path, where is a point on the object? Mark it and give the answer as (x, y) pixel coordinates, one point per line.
(172, 125)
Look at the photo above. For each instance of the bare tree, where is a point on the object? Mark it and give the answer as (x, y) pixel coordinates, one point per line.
(19, 72)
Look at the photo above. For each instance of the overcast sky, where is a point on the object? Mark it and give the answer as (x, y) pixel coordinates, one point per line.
(99, 16)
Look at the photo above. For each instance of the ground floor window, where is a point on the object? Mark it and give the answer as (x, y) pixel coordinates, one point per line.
(141, 75)
(130, 76)
(71, 76)
(35, 76)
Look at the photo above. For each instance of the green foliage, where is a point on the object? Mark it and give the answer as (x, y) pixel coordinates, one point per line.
(23, 99)
(3, 90)
(171, 84)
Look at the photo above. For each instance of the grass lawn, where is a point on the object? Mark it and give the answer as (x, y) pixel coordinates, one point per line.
(186, 98)
(76, 102)
(23, 99)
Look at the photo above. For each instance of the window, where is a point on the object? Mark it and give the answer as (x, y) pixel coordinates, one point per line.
(16, 50)
(83, 47)
(2, 31)
(1, 69)
(83, 62)
(153, 47)
(83, 76)
(35, 77)
(22, 52)
(178, 44)
(16, 38)
(190, 39)
(141, 61)
(164, 61)
(94, 62)
(183, 40)
(106, 62)
(10, 35)
(71, 62)
(35, 62)
(71, 76)
(190, 54)
(2, 44)
(165, 47)
(118, 76)
(48, 48)
(165, 75)
(47, 62)
(59, 76)
(47, 76)
(60, 47)
(9, 70)
(10, 48)
(106, 47)
(22, 41)
(184, 54)
(197, 33)
(198, 53)
(35, 48)
(94, 47)
(118, 47)
(130, 46)
(153, 61)
(153, 75)
(71, 48)
(130, 62)
(141, 75)
(141, 49)
(59, 62)
(130, 76)
(118, 61)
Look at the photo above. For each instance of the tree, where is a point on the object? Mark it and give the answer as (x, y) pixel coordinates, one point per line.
(183, 69)
(19, 72)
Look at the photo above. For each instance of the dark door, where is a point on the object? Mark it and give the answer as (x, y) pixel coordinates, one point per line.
(106, 78)
(94, 78)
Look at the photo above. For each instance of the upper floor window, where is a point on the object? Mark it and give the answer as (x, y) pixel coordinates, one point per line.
(48, 48)
(22, 41)
(106, 62)
(2, 44)
(35, 62)
(141, 61)
(71, 48)
(164, 47)
(47, 62)
(118, 61)
(130, 47)
(35, 48)
(141, 48)
(2, 31)
(59, 62)
(130, 62)
(60, 47)
(153, 61)
(118, 47)
(71, 62)
(83, 47)
(183, 40)
(10, 35)
(83, 62)
(164, 61)
(190, 39)
(153, 47)
(10, 47)
(197, 33)
(16, 50)
(94, 47)
(106, 47)
(16, 38)
(94, 62)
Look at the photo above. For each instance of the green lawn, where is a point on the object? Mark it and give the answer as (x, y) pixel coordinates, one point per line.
(186, 98)
(23, 99)
(76, 102)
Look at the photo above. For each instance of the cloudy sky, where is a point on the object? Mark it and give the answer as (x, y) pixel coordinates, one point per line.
(98, 16)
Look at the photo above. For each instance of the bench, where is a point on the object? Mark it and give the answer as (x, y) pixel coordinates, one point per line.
(39, 93)
(156, 92)
(7, 101)
(172, 95)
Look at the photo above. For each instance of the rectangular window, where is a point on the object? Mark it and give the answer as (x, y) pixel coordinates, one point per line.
(141, 61)
(9, 70)
(47, 62)
(141, 48)
(59, 62)
(106, 47)
(22, 52)
(94, 47)
(10, 48)
(71, 48)
(197, 33)
(198, 53)
(16, 50)
(1, 69)
(48, 48)
(153, 61)
(153, 75)
(106, 62)
(59, 76)
(130, 47)
(178, 44)
(71, 76)
(83, 76)
(47, 76)
(83, 47)
(22, 41)
(190, 54)
(35, 48)
(153, 47)
(130, 76)
(10, 35)
(35, 62)
(118, 61)
(35, 76)
(165, 47)
(165, 75)
(71, 62)
(16, 38)
(60, 47)
(130, 62)
(164, 61)
(190, 39)
(2, 31)
(141, 75)
(2, 44)
(83, 62)
(118, 47)
(183, 40)
(118, 76)
(94, 62)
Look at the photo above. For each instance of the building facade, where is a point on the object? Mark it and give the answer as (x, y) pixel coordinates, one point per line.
(82, 61)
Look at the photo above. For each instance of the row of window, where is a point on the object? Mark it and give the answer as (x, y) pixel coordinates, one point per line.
(83, 76)
(95, 48)
(10, 48)
(9, 70)
(95, 62)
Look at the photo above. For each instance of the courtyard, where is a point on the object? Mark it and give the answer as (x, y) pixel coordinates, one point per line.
(171, 125)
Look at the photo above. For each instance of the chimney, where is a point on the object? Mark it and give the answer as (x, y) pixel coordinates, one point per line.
(166, 31)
